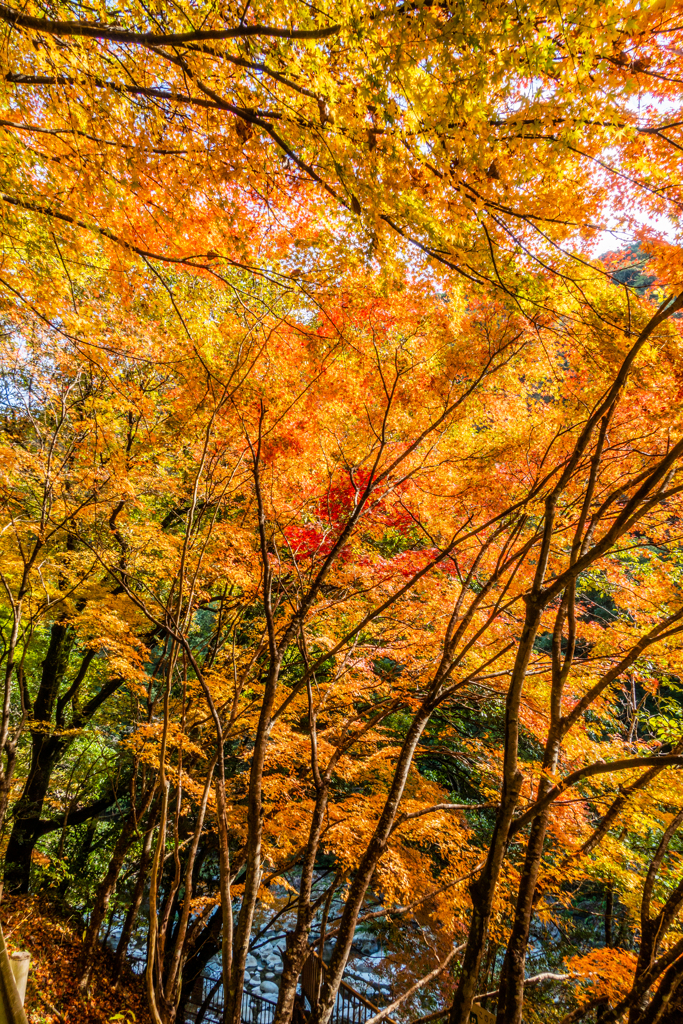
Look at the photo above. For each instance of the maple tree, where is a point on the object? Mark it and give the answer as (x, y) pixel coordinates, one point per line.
(327, 439)
(491, 139)
(181, 523)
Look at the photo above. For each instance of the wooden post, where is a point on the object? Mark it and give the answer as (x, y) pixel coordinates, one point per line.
(11, 1004)
(19, 963)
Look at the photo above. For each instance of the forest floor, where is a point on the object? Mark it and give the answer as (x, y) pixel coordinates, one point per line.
(54, 942)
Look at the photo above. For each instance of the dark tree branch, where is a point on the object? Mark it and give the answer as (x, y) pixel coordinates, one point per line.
(601, 768)
(88, 30)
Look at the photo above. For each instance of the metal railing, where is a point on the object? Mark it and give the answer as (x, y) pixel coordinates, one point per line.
(350, 1007)
(205, 1005)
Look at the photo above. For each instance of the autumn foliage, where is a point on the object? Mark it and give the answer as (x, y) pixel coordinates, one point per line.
(341, 499)
(56, 952)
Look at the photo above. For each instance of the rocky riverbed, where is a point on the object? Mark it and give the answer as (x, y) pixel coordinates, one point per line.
(264, 967)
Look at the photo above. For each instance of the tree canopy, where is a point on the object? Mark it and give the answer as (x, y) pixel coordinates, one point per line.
(340, 485)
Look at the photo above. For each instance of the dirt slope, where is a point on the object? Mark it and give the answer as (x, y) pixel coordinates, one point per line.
(52, 996)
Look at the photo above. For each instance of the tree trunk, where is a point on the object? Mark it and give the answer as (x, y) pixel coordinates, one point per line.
(511, 995)
(482, 892)
(106, 888)
(133, 909)
(297, 951)
(253, 873)
(79, 862)
(208, 945)
(366, 869)
(46, 750)
(6, 777)
(46, 754)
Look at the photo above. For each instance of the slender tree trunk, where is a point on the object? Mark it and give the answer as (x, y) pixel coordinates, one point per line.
(609, 914)
(175, 962)
(252, 881)
(6, 777)
(104, 892)
(368, 864)
(227, 936)
(659, 1006)
(207, 946)
(511, 995)
(133, 909)
(78, 865)
(106, 888)
(482, 892)
(297, 951)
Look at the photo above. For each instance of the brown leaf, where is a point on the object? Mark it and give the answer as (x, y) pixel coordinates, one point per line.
(325, 112)
(244, 130)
